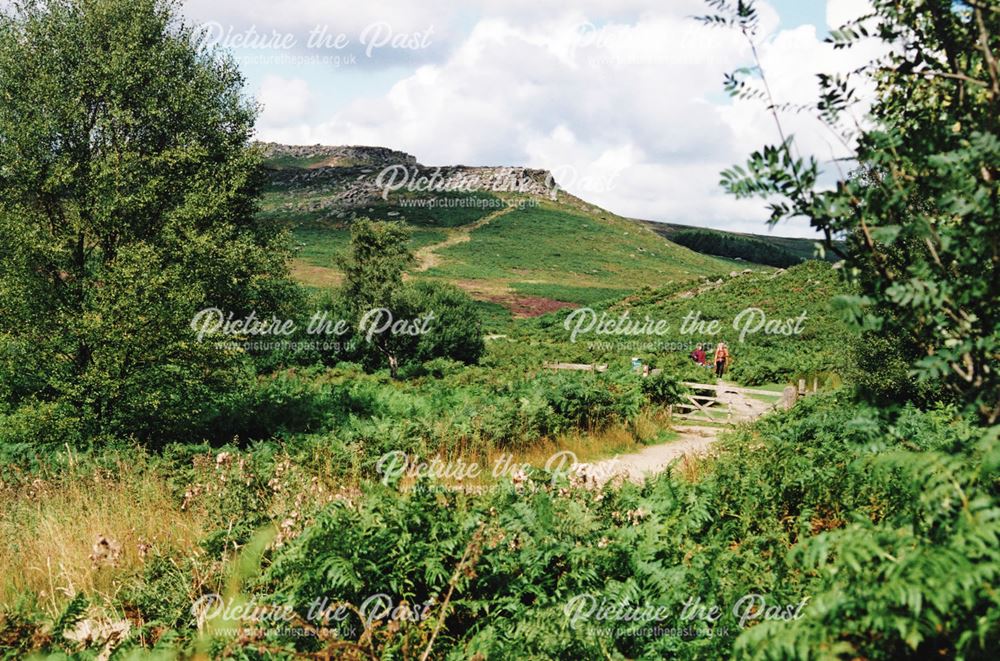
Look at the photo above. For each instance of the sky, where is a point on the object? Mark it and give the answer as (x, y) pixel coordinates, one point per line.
(622, 101)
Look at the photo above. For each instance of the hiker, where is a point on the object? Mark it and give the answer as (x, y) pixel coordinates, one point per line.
(721, 358)
(698, 355)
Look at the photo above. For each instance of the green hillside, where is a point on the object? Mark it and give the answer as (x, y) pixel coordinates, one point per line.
(775, 301)
(776, 250)
(524, 252)
(569, 254)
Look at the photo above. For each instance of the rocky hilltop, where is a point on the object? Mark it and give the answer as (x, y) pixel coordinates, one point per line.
(330, 177)
(312, 156)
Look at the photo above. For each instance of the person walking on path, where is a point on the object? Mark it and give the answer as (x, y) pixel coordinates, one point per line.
(721, 359)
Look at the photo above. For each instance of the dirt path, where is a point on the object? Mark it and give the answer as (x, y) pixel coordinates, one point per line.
(427, 257)
(694, 439)
(636, 466)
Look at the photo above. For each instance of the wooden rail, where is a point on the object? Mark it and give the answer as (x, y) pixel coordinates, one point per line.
(729, 388)
(703, 408)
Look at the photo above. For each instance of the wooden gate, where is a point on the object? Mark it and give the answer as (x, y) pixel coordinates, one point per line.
(722, 403)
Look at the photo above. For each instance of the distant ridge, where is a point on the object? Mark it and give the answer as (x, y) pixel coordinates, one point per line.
(314, 156)
(354, 176)
(337, 181)
(783, 247)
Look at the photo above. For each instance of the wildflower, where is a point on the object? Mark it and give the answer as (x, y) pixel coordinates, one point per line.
(105, 551)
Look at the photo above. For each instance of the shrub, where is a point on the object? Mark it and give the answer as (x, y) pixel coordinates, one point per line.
(663, 388)
(881, 371)
(286, 402)
(35, 429)
(455, 333)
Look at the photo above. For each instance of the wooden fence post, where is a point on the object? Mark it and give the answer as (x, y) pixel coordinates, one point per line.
(789, 397)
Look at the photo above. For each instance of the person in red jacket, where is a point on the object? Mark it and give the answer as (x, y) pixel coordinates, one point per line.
(698, 355)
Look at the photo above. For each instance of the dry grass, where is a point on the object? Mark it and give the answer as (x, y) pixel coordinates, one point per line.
(316, 276)
(648, 426)
(587, 447)
(49, 527)
(651, 427)
(51, 522)
(694, 467)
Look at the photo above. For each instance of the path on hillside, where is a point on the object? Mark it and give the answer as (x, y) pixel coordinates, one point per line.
(694, 440)
(427, 257)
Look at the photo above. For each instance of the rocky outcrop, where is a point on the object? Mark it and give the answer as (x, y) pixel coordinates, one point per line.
(337, 156)
(347, 177)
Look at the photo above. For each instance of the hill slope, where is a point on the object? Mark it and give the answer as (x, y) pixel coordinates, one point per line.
(507, 235)
(775, 250)
(757, 314)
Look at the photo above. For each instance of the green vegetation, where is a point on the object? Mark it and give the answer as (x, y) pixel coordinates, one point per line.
(520, 253)
(777, 246)
(324, 246)
(832, 511)
(521, 573)
(287, 161)
(920, 213)
(303, 205)
(742, 306)
(164, 495)
(442, 209)
(580, 295)
(607, 254)
(711, 242)
(397, 323)
(127, 195)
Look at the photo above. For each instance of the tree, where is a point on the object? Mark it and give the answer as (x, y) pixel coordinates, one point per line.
(127, 204)
(434, 320)
(373, 279)
(373, 271)
(926, 188)
(457, 332)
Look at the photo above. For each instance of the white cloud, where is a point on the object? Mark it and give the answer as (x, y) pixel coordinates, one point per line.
(839, 12)
(625, 106)
(284, 100)
(378, 35)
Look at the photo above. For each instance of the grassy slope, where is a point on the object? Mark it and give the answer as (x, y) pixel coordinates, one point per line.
(819, 350)
(289, 162)
(557, 251)
(566, 251)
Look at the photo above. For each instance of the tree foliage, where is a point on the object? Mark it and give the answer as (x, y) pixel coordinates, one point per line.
(921, 212)
(127, 200)
(377, 298)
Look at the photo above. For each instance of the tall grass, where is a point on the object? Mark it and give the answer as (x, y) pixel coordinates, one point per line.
(50, 523)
